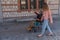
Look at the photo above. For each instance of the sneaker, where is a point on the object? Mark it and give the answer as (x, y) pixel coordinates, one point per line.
(40, 35)
(50, 34)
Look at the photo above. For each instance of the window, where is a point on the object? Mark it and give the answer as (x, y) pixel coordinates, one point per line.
(28, 5)
(40, 3)
(24, 4)
(32, 4)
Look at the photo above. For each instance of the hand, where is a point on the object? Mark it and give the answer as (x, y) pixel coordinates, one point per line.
(51, 22)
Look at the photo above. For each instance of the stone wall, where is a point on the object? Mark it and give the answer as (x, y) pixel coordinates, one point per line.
(53, 5)
(1, 15)
(9, 8)
(59, 7)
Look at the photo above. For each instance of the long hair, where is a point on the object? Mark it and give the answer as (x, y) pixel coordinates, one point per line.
(45, 7)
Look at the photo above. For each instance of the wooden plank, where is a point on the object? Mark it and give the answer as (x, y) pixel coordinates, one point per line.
(37, 5)
(19, 6)
(28, 5)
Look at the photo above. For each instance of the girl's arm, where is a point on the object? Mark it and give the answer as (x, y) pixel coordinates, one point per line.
(50, 17)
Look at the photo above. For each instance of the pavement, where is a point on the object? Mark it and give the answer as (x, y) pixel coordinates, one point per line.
(17, 31)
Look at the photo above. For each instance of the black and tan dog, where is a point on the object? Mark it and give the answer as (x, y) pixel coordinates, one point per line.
(32, 28)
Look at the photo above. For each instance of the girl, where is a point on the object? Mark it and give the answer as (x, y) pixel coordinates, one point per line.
(46, 17)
